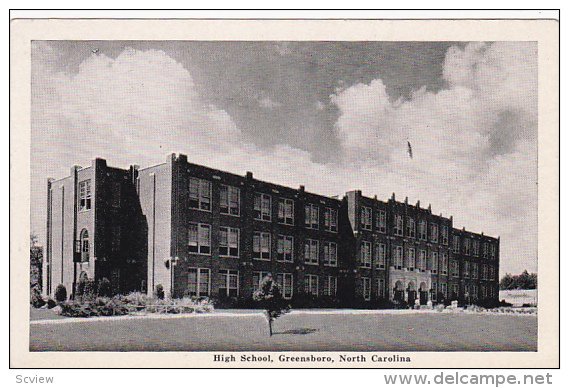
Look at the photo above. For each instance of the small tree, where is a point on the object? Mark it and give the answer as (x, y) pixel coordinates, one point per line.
(269, 297)
(60, 293)
(104, 288)
(159, 292)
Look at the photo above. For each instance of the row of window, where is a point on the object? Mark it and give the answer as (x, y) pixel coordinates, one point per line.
(472, 247)
(411, 230)
(199, 283)
(199, 241)
(433, 262)
(230, 203)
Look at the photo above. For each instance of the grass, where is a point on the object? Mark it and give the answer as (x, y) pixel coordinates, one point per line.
(298, 332)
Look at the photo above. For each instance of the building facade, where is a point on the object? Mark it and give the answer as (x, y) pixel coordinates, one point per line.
(202, 232)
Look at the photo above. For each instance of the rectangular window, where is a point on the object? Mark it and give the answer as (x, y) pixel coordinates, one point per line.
(200, 194)
(381, 288)
(444, 263)
(311, 284)
(311, 216)
(474, 270)
(85, 195)
(411, 259)
(485, 250)
(229, 200)
(330, 254)
(398, 257)
(434, 233)
(382, 221)
(199, 238)
(228, 241)
(331, 219)
(455, 291)
(398, 225)
(285, 281)
(490, 273)
(330, 285)
(262, 207)
(229, 283)
(444, 290)
(198, 281)
(380, 255)
(492, 251)
(474, 291)
(456, 244)
(366, 288)
(444, 234)
(365, 219)
(454, 268)
(261, 246)
(434, 262)
(285, 248)
(423, 230)
(434, 290)
(286, 211)
(475, 248)
(466, 246)
(422, 264)
(311, 251)
(116, 194)
(466, 270)
(258, 277)
(365, 254)
(410, 227)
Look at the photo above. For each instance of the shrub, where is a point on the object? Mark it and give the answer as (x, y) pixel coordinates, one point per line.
(98, 307)
(60, 293)
(36, 299)
(137, 299)
(104, 288)
(80, 288)
(51, 303)
(159, 292)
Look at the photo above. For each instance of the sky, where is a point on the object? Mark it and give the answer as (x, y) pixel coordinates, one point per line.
(333, 116)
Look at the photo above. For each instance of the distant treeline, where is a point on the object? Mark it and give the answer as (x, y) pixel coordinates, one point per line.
(523, 281)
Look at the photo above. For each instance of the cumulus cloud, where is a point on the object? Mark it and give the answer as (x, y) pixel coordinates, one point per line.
(473, 142)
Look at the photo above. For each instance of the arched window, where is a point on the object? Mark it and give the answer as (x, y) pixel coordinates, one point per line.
(84, 245)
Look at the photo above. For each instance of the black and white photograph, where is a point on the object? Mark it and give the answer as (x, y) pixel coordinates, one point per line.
(254, 198)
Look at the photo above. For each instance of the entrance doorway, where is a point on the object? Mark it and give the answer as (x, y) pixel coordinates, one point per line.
(423, 294)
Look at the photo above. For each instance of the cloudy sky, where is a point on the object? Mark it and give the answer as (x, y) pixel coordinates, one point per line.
(334, 116)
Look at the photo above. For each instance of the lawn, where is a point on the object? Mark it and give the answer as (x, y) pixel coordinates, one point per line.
(298, 331)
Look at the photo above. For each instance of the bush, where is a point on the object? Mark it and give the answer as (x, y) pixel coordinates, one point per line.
(104, 288)
(51, 303)
(60, 293)
(94, 308)
(159, 292)
(36, 299)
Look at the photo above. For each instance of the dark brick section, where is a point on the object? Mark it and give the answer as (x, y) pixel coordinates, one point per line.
(205, 232)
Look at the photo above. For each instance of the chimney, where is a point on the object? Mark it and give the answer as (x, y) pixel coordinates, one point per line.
(406, 200)
(301, 188)
(74, 169)
(393, 196)
(429, 208)
(249, 175)
(134, 172)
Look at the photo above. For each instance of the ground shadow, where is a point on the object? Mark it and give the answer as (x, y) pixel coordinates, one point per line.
(302, 331)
